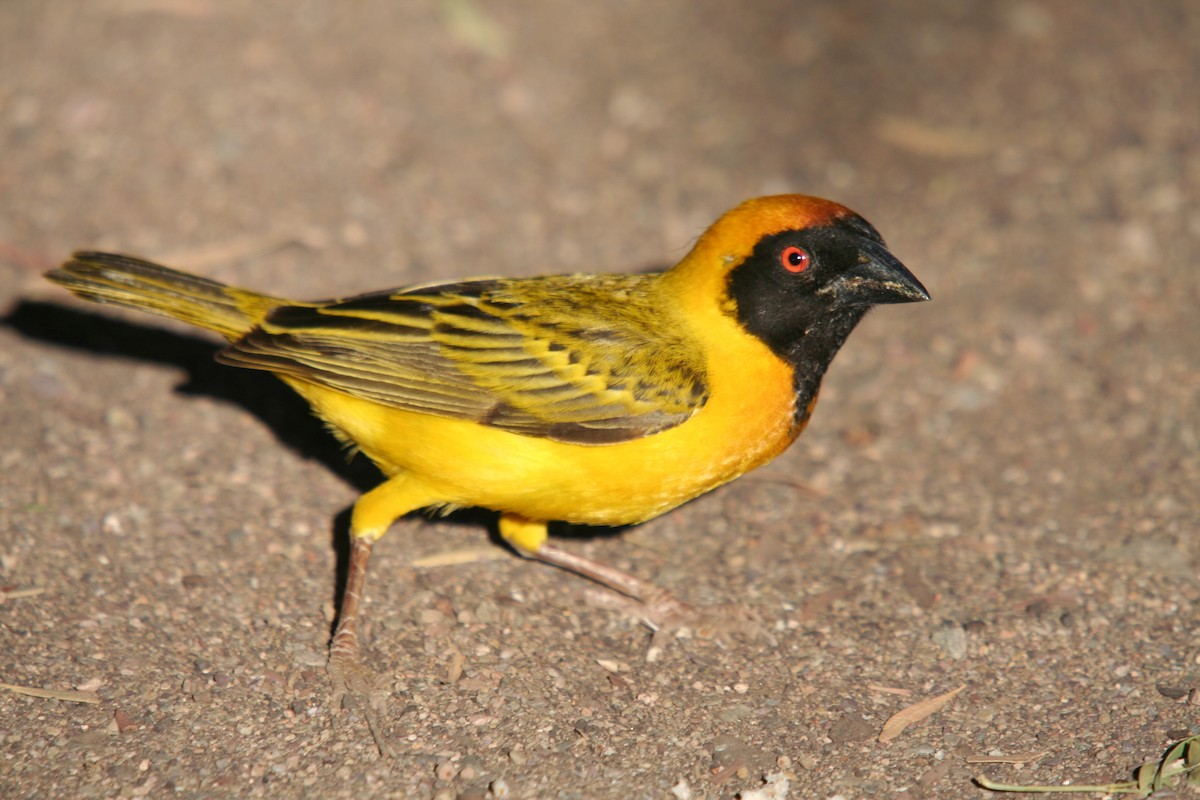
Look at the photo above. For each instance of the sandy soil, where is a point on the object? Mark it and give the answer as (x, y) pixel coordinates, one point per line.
(998, 491)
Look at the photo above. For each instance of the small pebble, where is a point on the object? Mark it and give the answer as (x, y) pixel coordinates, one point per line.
(952, 639)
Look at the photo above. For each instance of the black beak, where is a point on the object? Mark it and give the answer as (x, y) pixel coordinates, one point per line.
(877, 278)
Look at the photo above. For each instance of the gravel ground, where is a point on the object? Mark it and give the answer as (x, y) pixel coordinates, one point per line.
(998, 491)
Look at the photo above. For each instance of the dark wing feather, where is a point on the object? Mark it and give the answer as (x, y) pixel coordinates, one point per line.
(582, 359)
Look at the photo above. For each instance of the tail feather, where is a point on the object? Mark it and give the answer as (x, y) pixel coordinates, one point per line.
(134, 283)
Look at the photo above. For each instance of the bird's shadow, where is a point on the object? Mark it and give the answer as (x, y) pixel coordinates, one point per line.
(281, 409)
(277, 406)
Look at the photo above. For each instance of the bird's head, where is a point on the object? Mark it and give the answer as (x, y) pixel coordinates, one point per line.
(796, 271)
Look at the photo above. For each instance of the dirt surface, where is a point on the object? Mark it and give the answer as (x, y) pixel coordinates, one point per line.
(998, 491)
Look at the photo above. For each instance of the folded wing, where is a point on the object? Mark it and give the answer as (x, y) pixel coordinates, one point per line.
(580, 359)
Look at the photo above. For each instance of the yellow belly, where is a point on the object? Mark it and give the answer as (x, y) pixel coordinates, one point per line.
(746, 422)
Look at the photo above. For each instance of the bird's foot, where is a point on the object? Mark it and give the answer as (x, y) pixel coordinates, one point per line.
(356, 689)
(670, 618)
(654, 606)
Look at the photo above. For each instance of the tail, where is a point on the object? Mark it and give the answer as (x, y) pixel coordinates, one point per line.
(134, 283)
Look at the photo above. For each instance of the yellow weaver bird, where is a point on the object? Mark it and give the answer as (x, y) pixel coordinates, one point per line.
(596, 399)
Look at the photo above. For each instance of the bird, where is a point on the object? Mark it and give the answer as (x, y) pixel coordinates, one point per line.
(597, 399)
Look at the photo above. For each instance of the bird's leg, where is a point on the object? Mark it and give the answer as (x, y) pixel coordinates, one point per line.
(354, 686)
(352, 681)
(661, 611)
(661, 604)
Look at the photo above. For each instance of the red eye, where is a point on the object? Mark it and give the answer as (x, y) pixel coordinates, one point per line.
(794, 259)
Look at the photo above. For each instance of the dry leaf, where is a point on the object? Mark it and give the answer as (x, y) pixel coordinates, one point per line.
(454, 670)
(12, 594)
(472, 25)
(231, 251)
(1015, 758)
(897, 722)
(53, 694)
(467, 555)
(926, 139)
